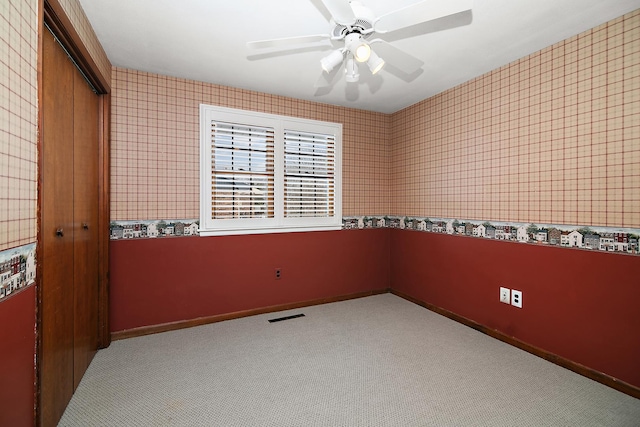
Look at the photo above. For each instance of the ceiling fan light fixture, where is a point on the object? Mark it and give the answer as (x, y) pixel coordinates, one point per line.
(358, 47)
(352, 74)
(362, 52)
(375, 63)
(329, 62)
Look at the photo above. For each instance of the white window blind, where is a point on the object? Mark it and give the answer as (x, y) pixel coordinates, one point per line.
(309, 174)
(242, 171)
(262, 173)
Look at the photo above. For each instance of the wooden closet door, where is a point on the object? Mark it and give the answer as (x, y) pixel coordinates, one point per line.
(70, 233)
(85, 202)
(57, 328)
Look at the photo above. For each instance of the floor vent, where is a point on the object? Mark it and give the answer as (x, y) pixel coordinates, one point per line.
(280, 319)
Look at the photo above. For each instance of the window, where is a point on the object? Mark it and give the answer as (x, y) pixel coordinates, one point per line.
(262, 173)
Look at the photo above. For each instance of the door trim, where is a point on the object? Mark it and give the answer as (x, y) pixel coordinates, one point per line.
(62, 27)
(51, 13)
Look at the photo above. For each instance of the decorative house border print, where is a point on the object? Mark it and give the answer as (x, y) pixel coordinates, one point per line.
(606, 239)
(17, 269)
(153, 229)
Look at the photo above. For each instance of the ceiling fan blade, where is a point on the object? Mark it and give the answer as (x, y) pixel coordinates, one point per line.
(398, 58)
(426, 10)
(287, 41)
(340, 11)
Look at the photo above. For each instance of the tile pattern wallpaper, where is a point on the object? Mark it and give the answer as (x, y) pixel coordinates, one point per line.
(551, 138)
(155, 144)
(18, 121)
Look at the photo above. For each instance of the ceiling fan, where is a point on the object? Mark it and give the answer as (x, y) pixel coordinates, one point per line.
(355, 26)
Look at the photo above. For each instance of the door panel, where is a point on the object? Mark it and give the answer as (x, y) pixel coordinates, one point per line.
(70, 232)
(85, 168)
(57, 215)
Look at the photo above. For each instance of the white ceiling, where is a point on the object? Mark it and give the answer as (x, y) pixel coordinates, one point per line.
(206, 40)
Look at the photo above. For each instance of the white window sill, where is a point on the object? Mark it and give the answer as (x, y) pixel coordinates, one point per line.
(241, 231)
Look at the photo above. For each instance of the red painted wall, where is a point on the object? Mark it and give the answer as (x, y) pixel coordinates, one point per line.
(155, 281)
(581, 305)
(18, 340)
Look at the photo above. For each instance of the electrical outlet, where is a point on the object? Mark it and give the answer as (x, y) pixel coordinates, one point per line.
(516, 298)
(505, 296)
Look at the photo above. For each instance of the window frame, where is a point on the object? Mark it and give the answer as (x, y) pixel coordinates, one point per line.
(279, 223)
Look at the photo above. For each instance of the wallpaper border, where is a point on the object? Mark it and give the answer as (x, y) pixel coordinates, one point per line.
(605, 239)
(17, 269)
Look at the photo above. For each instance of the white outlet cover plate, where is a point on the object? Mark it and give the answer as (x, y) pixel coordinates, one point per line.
(516, 298)
(505, 295)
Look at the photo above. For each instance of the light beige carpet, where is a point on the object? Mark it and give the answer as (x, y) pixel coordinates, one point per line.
(375, 361)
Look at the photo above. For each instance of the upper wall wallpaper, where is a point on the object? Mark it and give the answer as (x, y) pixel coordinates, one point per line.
(18, 121)
(551, 138)
(155, 144)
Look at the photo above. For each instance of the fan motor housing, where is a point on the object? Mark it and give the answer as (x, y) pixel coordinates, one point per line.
(363, 23)
(365, 28)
